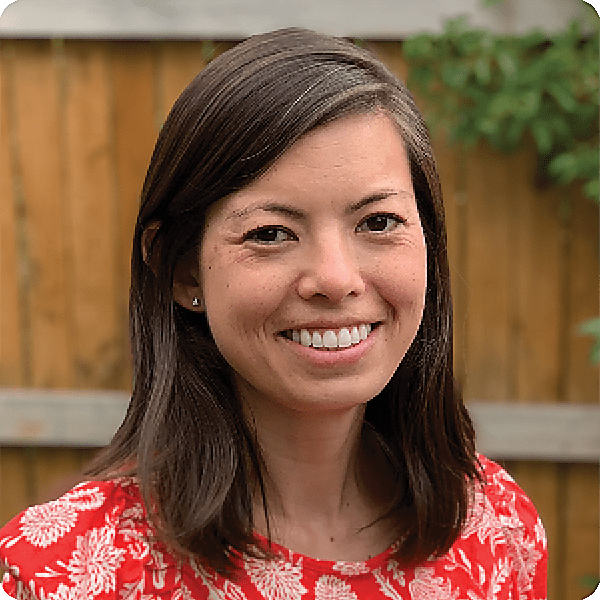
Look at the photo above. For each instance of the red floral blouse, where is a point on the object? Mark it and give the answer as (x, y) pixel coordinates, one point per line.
(94, 544)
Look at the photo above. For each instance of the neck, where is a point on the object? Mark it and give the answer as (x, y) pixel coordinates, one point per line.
(319, 497)
(311, 463)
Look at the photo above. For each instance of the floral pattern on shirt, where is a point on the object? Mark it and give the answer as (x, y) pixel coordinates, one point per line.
(96, 543)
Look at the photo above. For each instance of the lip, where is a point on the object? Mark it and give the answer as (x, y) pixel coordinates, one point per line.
(332, 358)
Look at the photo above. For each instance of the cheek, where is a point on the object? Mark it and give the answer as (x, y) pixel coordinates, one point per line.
(404, 283)
(238, 296)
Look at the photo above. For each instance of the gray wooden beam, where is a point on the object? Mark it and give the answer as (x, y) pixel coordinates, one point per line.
(233, 19)
(549, 431)
(60, 418)
(509, 430)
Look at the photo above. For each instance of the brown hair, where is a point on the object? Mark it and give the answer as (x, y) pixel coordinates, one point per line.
(194, 456)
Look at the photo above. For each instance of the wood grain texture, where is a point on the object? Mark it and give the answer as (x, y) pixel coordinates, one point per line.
(134, 131)
(92, 214)
(11, 313)
(78, 121)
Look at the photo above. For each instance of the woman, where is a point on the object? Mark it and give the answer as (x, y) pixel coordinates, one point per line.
(294, 430)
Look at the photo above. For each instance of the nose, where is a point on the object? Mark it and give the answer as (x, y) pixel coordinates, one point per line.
(332, 271)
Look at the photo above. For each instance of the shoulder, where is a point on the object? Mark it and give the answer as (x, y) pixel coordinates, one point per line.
(48, 549)
(512, 507)
(504, 515)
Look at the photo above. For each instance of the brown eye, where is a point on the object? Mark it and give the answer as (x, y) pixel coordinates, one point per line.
(269, 235)
(380, 223)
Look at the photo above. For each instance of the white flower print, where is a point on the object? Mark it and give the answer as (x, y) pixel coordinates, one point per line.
(385, 586)
(183, 593)
(45, 524)
(482, 521)
(397, 573)
(350, 568)
(93, 564)
(276, 579)
(83, 499)
(427, 587)
(132, 590)
(331, 588)
(229, 591)
(233, 591)
(540, 533)
(525, 558)
(62, 593)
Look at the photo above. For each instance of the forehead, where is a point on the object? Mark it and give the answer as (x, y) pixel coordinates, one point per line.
(346, 160)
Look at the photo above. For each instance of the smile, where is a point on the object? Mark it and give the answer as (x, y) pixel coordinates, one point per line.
(330, 339)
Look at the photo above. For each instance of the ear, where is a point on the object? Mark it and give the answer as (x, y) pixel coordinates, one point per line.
(150, 251)
(187, 289)
(186, 279)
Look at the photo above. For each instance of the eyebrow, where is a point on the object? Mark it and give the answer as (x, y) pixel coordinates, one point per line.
(299, 215)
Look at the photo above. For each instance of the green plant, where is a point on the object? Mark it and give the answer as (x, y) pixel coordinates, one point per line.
(479, 86)
(591, 327)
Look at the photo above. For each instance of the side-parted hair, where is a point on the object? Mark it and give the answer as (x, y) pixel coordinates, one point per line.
(184, 436)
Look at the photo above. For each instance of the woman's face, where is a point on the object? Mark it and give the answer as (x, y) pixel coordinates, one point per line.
(313, 277)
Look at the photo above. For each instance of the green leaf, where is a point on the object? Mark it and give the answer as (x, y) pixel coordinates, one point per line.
(455, 75)
(564, 167)
(595, 354)
(529, 104)
(592, 190)
(562, 96)
(507, 64)
(591, 328)
(542, 137)
(487, 126)
(483, 71)
(418, 46)
(514, 132)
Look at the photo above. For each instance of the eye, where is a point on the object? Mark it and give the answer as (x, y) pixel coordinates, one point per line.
(379, 223)
(269, 235)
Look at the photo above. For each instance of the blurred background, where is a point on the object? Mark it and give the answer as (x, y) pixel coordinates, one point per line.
(510, 90)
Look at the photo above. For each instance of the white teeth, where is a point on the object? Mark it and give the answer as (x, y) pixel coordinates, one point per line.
(317, 340)
(305, 338)
(344, 338)
(330, 340)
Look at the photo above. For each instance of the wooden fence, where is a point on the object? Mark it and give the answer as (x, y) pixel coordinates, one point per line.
(78, 123)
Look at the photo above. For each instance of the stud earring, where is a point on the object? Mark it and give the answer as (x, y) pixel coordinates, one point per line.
(195, 301)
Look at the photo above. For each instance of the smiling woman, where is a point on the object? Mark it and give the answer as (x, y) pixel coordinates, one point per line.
(327, 242)
(294, 430)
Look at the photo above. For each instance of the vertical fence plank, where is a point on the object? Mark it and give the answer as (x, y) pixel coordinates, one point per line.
(92, 216)
(10, 318)
(14, 492)
(490, 226)
(581, 554)
(15, 486)
(536, 300)
(132, 78)
(42, 254)
(177, 64)
(451, 169)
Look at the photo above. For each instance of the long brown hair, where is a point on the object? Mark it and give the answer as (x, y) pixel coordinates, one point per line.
(194, 457)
